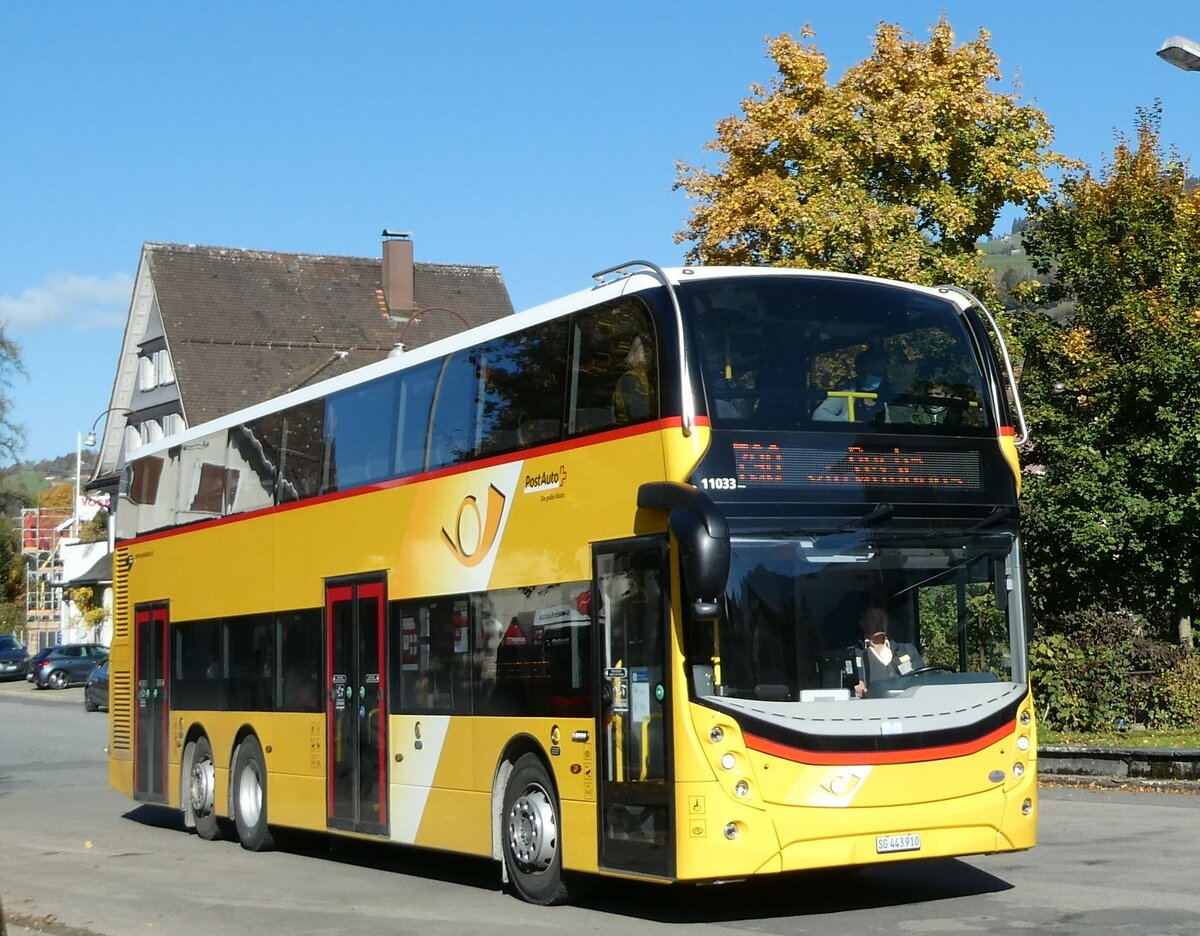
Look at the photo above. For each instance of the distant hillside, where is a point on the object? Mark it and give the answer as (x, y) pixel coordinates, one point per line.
(30, 482)
(1005, 257)
(25, 481)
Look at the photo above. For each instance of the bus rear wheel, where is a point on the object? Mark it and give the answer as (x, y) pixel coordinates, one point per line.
(250, 795)
(201, 789)
(530, 827)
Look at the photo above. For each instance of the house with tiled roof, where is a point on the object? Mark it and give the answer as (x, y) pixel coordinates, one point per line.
(214, 329)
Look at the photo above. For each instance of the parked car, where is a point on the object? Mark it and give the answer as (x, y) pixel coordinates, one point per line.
(95, 690)
(65, 665)
(14, 660)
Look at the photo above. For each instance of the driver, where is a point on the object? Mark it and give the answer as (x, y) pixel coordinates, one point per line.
(883, 658)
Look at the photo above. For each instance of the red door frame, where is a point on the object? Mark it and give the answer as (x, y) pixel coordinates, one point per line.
(144, 617)
(355, 592)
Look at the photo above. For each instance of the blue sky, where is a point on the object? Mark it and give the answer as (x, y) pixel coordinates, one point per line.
(537, 136)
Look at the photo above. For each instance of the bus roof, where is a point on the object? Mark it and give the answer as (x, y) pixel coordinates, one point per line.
(637, 280)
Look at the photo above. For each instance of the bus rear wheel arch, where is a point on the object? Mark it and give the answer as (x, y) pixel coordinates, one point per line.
(530, 827)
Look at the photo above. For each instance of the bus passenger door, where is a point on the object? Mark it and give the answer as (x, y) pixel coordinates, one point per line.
(356, 732)
(630, 607)
(150, 660)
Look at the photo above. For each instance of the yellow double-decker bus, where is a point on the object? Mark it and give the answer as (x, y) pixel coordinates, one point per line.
(696, 575)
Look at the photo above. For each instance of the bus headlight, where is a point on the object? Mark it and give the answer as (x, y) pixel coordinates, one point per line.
(1018, 770)
(1026, 718)
(741, 788)
(728, 761)
(1026, 807)
(731, 831)
(1023, 743)
(717, 735)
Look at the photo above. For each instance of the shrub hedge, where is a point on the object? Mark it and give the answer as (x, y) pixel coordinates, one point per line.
(1094, 670)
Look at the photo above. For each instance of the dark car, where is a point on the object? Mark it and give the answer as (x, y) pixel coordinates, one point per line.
(65, 665)
(14, 660)
(95, 690)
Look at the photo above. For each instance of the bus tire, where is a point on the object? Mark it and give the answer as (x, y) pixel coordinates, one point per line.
(249, 795)
(530, 829)
(202, 790)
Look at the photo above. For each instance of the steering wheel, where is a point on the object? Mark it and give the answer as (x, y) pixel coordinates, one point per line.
(932, 667)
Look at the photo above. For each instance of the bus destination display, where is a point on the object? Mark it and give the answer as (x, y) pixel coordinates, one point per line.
(768, 464)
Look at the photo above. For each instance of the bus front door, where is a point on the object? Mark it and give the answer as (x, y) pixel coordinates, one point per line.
(632, 617)
(356, 732)
(150, 660)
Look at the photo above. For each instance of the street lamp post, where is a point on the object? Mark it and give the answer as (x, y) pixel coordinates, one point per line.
(1181, 52)
(78, 471)
(80, 441)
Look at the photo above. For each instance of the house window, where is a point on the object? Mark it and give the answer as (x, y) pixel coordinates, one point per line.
(172, 423)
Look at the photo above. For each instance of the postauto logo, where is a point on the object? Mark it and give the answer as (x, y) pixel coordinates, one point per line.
(474, 530)
(545, 480)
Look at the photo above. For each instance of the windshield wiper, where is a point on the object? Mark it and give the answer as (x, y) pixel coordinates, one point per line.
(998, 514)
(881, 513)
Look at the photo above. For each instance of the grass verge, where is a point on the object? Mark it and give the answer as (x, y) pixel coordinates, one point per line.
(1126, 739)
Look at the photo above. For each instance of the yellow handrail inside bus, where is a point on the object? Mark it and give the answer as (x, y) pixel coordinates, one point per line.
(850, 396)
(715, 659)
(619, 753)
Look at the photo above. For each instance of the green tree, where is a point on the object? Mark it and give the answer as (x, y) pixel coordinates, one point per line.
(897, 170)
(12, 437)
(96, 529)
(1113, 512)
(12, 577)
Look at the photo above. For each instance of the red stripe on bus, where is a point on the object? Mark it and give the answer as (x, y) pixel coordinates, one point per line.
(840, 758)
(1007, 431)
(598, 438)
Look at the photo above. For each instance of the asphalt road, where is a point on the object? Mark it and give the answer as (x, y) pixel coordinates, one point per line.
(77, 859)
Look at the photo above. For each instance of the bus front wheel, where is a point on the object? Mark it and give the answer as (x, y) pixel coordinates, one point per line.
(250, 795)
(201, 790)
(532, 843)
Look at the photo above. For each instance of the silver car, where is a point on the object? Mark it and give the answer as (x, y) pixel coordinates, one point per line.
(65, 665)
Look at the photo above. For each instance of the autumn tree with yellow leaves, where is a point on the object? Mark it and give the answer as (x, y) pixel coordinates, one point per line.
(895, 170)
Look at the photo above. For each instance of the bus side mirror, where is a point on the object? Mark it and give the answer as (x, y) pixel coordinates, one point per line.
(703, 539)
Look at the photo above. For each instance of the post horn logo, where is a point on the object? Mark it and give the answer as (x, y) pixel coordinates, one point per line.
(475, 533)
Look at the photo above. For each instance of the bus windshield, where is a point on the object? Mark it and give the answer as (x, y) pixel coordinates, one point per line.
(807, 619)
(827, 354)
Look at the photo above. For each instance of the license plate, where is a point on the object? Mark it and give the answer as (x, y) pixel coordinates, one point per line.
(909, 841)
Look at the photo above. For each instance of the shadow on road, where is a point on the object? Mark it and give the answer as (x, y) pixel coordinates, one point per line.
(156, 817)
(786, 895)
(805, 893)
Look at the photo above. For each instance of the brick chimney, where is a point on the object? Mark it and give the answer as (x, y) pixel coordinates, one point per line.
(398, 274)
